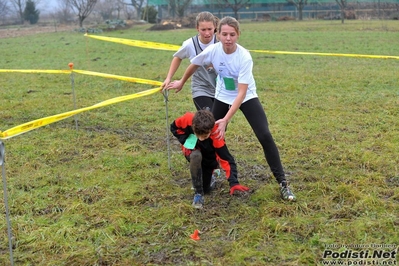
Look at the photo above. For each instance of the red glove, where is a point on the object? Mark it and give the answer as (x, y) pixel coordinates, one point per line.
(238, 188)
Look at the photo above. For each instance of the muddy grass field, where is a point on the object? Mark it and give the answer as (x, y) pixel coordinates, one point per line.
(105, 194)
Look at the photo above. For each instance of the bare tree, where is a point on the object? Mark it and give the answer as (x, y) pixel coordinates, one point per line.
(63, 11)
(4, 9)
(19, 6)
(178, 7)
(127, 9)
(138, 5)
(182, 6)
(299, 5)
(235, 5)
(105, 8)
(119, 7)
(83, 8)
(342, 6)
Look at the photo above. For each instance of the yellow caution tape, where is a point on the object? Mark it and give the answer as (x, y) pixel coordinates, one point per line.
(143, 44)
(23, 128)
(136, 80)
(170, 47)
(327, 54)
(51, 119)
(98, 74)
(35, 71)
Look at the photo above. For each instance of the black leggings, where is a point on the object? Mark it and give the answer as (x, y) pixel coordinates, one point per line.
(200, 171)
(202, 102)
(256, 117)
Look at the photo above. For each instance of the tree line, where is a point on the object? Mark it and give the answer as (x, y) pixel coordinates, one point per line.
(27, 10)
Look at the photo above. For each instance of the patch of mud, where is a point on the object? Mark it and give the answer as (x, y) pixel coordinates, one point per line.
(168, 24)
(32, 30)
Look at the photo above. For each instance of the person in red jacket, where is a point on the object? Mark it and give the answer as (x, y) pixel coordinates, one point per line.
(204, 152)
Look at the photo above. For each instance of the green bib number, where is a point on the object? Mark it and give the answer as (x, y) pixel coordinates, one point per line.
(191, 141)
(229, 84)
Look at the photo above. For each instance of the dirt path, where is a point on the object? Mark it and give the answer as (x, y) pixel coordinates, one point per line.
(31, 30)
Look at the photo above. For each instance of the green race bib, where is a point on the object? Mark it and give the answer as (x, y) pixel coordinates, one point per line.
(190, 142)
(229, 84)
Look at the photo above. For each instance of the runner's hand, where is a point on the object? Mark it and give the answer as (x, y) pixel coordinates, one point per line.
(221, 128)
(175, 85)
(165, 84)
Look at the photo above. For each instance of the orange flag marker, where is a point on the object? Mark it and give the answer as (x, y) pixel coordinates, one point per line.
(195, 236)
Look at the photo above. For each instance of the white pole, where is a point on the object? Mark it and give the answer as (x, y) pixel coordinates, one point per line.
(2, 162)
(73, 93)
(165, 95)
